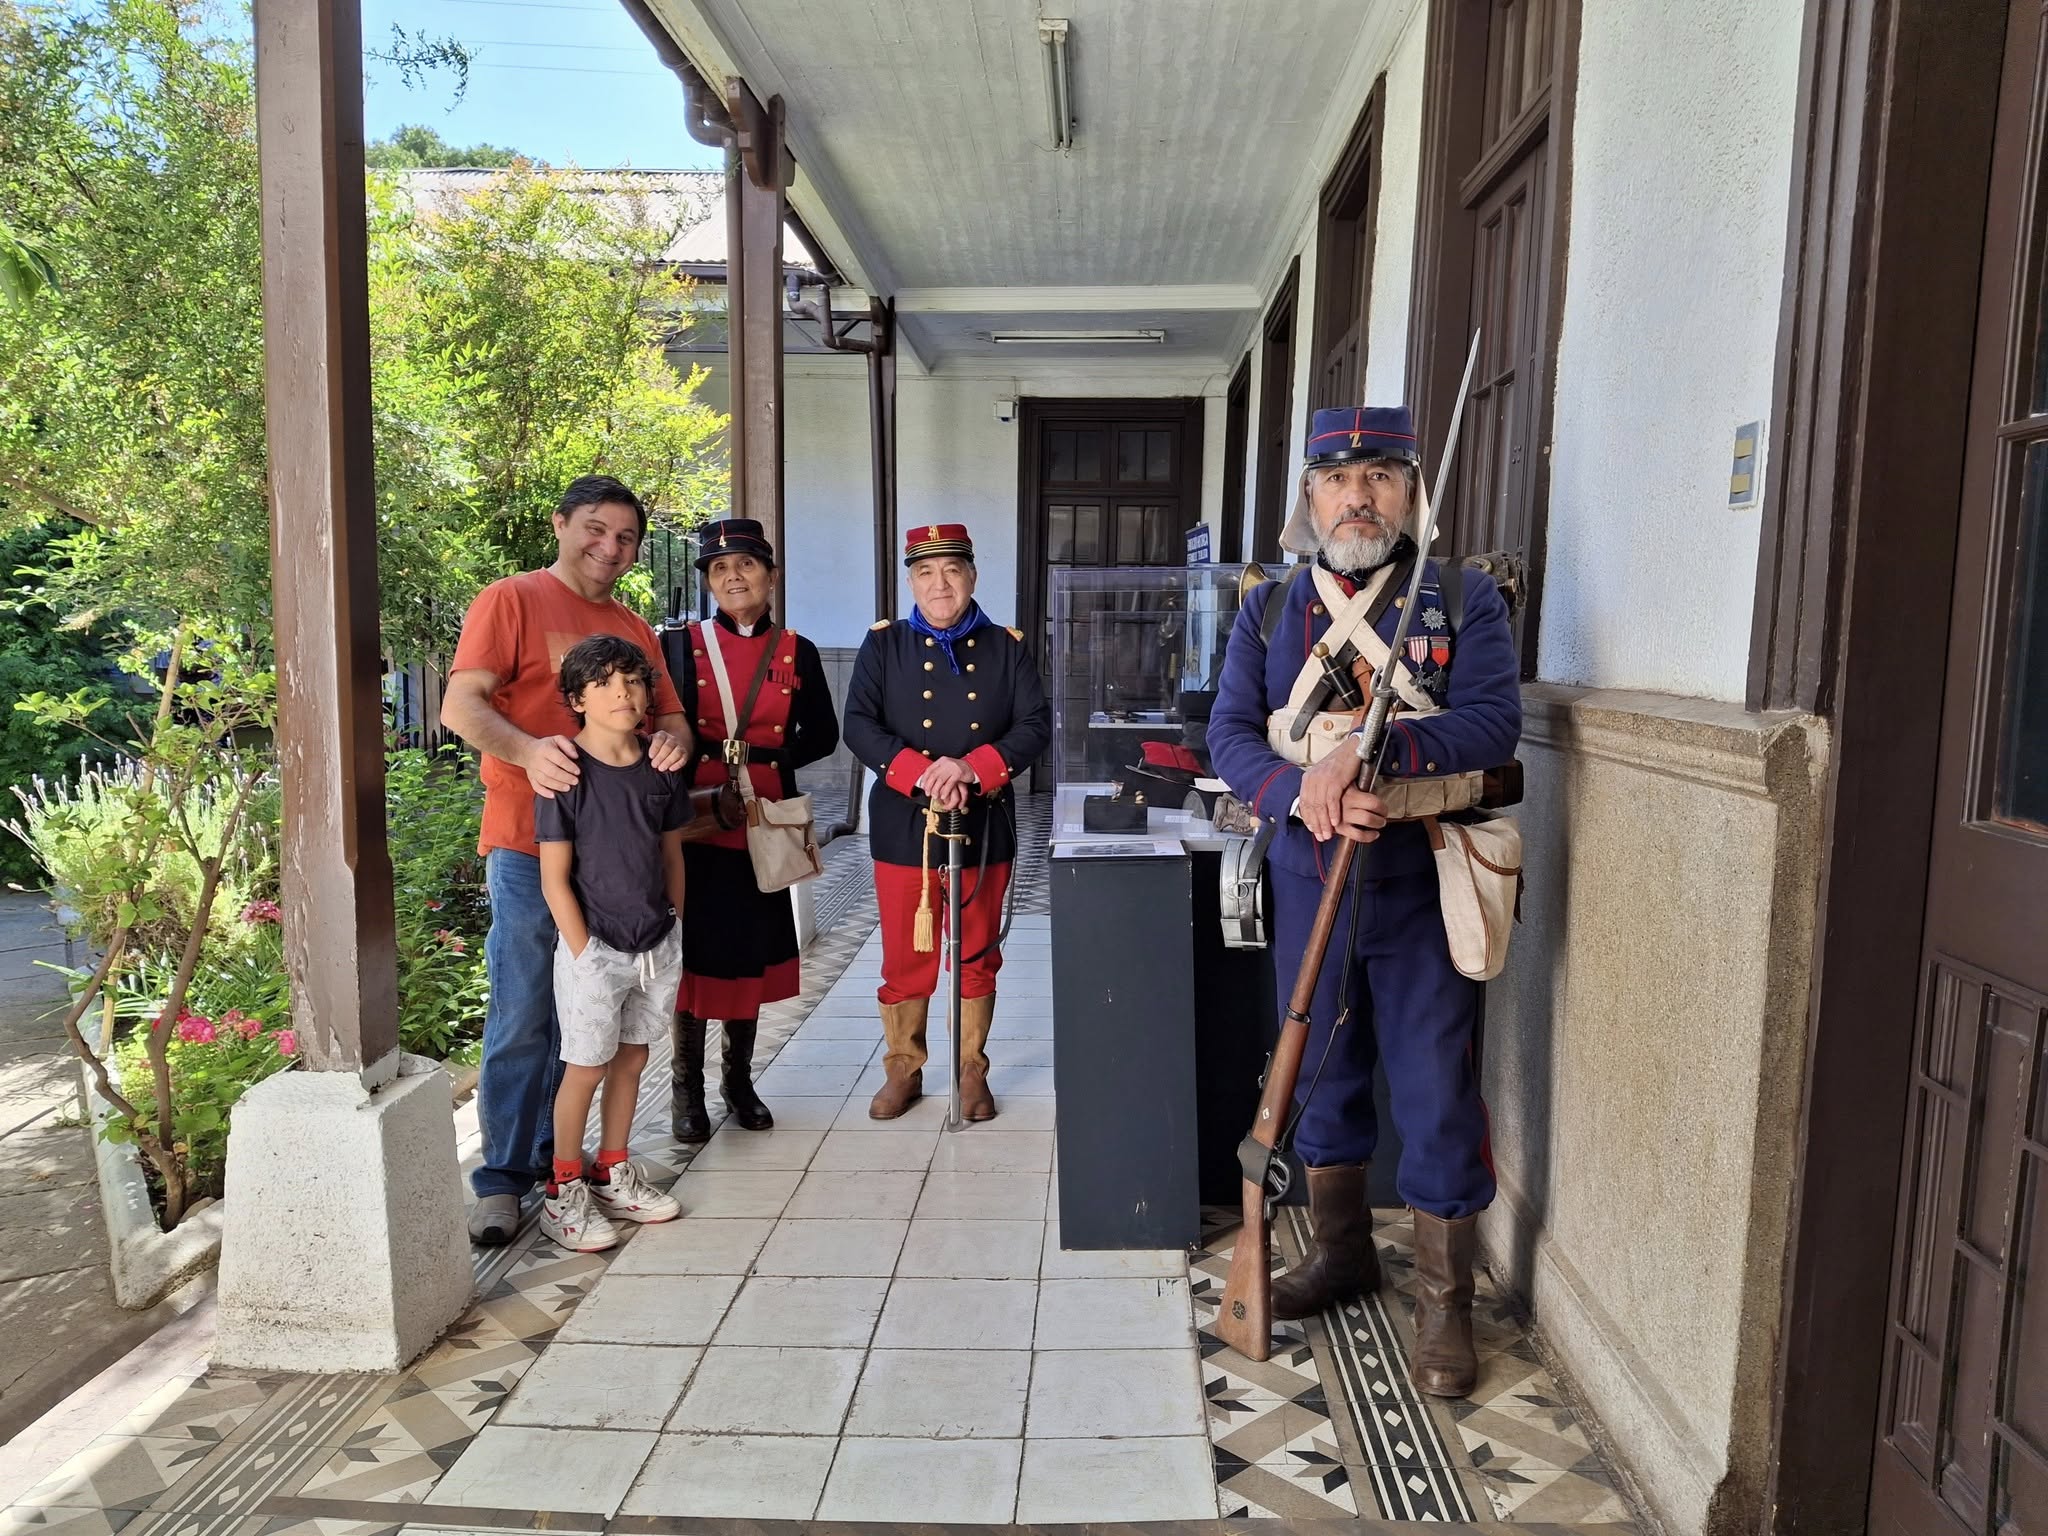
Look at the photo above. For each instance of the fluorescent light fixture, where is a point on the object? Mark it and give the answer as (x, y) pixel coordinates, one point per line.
(1059, 80)
(1070, 338)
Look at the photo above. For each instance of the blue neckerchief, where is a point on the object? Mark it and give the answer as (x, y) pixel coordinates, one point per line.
(970, 621)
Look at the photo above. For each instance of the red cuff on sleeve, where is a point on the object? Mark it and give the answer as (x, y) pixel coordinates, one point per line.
(989, 767)
(905, 769)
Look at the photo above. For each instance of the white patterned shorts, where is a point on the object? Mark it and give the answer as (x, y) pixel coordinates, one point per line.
(606, 998)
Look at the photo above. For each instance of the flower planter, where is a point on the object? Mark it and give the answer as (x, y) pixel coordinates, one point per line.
(146, 1263)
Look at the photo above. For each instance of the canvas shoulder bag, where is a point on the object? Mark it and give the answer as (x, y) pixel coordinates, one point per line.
(1479, 875)
(780, 837)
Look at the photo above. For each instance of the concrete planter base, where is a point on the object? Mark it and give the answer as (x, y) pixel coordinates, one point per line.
(146, 1262)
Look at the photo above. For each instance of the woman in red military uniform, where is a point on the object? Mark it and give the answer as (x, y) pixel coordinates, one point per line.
(739, 944)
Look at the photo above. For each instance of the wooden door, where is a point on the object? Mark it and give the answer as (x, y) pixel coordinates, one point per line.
(1963, 1419)
(1106, 483)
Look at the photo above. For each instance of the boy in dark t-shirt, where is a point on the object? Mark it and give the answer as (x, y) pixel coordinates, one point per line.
(611, 868)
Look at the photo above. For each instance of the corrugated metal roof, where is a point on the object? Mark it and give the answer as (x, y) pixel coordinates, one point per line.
(691, 201)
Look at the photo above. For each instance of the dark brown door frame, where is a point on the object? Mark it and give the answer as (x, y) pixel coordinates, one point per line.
(1350, 196)
(1237, 431)
(1886, 241)
(1439, 317)
(1277, 414)
(1032, 411)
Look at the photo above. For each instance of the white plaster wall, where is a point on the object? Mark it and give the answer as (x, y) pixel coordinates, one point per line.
(1681, 167)
(955, 464)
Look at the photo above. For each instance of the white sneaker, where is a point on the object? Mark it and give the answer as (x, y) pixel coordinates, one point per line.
(572, 1219)
(629, 1197)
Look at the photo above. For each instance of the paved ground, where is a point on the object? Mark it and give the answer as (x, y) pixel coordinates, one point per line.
(855, 1322)
(57, 1312)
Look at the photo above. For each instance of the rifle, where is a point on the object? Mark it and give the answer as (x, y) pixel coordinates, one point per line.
(1244, 1321)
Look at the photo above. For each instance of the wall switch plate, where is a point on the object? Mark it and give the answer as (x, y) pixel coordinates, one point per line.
(1745, 477)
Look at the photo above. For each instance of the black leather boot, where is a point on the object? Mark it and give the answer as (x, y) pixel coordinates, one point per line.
(1341, 1261)
(687, 1120)
(736, 1082)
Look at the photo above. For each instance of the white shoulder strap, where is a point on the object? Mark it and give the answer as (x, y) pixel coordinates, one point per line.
(710, 633)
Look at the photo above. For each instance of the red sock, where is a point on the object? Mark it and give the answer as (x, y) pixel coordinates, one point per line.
(606, 1162)
(567, 1170)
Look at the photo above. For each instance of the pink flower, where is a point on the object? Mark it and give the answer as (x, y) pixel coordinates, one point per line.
(435, 906)
(241, 1023)
(194, 1030)
(457, 945)
(262, 912)
(288, 1042)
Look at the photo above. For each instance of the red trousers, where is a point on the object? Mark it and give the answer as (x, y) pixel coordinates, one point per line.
(906, 974)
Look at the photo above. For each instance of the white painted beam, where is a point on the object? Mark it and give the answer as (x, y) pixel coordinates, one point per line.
(1125, 300)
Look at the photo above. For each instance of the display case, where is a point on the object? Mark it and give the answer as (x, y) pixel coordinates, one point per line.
(1137, 653)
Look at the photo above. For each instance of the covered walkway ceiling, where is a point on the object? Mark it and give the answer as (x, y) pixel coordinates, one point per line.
(923, 138)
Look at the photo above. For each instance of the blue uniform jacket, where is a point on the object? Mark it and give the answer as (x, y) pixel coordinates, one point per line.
(1479, 688)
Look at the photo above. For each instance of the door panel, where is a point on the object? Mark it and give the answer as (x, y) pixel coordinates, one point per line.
(1963, 1431)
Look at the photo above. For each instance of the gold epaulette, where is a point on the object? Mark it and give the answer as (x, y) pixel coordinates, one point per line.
(1015, 634)
(880, 624)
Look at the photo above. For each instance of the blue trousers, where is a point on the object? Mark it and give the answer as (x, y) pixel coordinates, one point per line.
(522, 1065)
(1411, 1008)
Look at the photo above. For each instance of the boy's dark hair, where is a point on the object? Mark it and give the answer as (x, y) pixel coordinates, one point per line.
(596, 491)
(597, 658)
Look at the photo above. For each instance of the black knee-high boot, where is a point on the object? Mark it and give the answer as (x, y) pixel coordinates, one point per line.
(687, 1120)
(737, 1079)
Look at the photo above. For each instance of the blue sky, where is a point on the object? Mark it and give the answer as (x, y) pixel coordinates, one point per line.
(562, 80)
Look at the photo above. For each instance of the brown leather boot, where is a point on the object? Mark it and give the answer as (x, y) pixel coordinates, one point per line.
(903, 1035)
(1341, 1261)
(976, 1014)
(1444, 1364)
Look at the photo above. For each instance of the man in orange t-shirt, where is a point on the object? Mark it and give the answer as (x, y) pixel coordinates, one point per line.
(503, 700)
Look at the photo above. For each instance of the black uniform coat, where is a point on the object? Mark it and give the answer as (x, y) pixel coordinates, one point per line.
(906, 707)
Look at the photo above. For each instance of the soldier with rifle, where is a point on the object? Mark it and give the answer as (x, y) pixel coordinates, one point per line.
(1303, 658)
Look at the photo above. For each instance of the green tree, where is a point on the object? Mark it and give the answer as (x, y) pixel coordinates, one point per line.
(518, 343)
(38, 653)
(415, 146)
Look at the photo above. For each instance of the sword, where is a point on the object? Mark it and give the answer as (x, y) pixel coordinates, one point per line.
(955, 835)
(1244, 1320)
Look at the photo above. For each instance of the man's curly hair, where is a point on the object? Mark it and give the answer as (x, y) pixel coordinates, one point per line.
(596, 659)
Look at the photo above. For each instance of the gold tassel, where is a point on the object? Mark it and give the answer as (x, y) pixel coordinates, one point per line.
(922, 938)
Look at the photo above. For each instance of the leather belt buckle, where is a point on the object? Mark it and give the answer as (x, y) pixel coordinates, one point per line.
(736, 753)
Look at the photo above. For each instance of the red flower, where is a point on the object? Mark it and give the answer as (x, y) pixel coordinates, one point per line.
(262, 912)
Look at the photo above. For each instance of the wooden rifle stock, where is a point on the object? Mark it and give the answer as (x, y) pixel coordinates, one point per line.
(1244, 1321)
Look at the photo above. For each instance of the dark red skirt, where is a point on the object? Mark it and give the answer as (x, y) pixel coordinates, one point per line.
(739, 946)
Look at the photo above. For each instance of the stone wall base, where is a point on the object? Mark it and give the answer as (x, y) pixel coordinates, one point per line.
(1643, 1060)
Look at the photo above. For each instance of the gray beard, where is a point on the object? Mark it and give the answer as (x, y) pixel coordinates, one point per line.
(1356, 552)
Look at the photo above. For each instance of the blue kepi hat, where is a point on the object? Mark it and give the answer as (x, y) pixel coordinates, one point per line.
(1353, 432)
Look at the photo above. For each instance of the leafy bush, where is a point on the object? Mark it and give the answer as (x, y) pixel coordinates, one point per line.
(41, 649)
(213, 1062)
(433, 803)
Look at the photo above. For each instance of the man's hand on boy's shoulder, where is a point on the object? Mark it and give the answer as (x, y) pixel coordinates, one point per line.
(668, 751)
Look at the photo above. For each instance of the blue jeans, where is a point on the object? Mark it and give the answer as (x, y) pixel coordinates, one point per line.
(522, 1042)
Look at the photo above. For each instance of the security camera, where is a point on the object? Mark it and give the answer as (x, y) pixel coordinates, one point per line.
(1006, 411)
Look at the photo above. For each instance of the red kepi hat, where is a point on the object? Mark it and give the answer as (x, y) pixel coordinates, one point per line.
(930, 540)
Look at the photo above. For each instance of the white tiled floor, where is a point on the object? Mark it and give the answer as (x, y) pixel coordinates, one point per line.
(860, 1319)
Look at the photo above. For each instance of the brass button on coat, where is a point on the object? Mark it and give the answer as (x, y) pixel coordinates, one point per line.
(927, 693)
(1315, 607)
(972, 694)
(927, 725)
(975, 726)
(970, 666)
(928, 640)
(927, 666)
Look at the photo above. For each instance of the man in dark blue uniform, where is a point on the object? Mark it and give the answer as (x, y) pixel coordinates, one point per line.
(945, 706)
(1294, 762)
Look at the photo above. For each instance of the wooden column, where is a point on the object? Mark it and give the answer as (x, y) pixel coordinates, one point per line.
(754, 215)
(340, 947)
